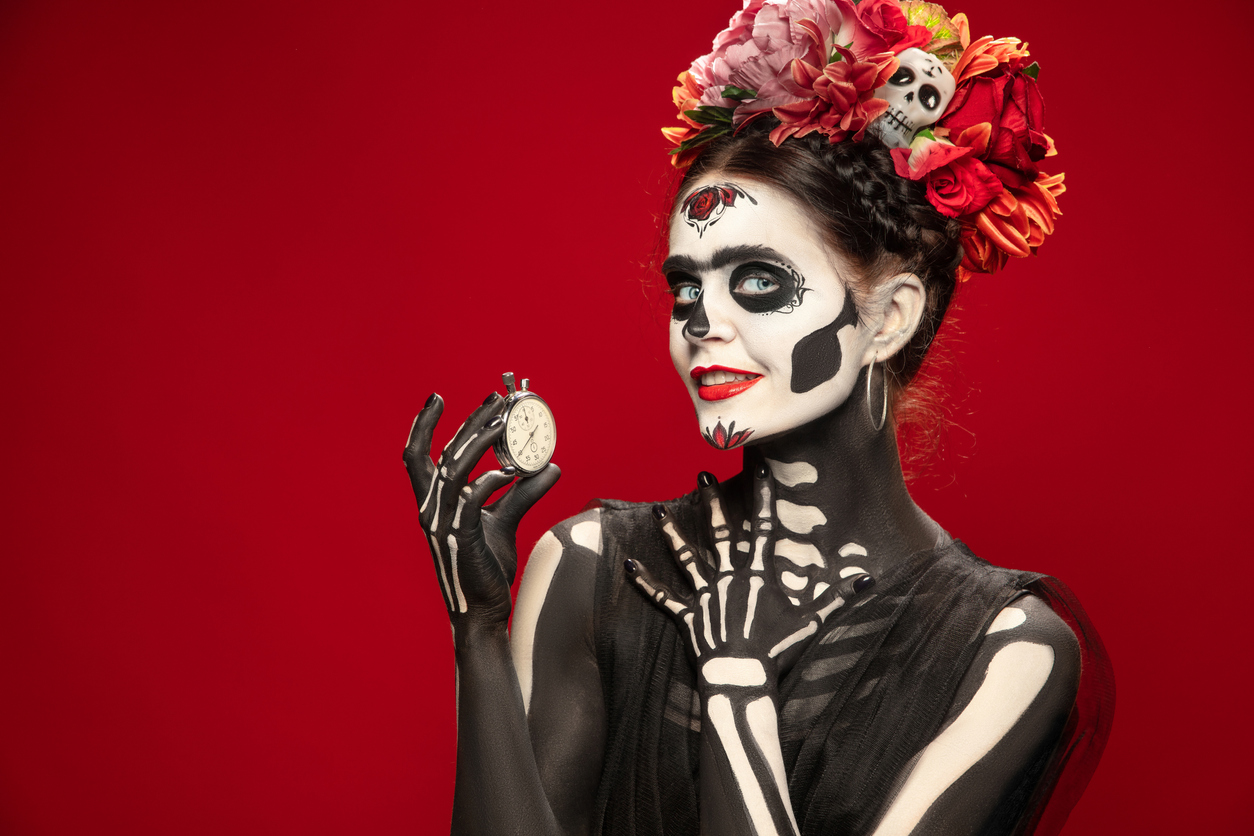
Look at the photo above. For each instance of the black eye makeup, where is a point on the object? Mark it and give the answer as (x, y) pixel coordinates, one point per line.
(685, 289)
(763, 287)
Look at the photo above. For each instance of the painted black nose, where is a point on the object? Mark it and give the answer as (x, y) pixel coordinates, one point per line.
(698, 323)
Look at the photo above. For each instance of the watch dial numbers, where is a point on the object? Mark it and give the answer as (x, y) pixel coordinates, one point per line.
(530, 434)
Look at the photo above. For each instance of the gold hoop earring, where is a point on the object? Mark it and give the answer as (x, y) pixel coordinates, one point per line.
(883, 412)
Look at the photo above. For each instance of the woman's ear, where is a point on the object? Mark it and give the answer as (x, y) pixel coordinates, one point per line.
(898, 309)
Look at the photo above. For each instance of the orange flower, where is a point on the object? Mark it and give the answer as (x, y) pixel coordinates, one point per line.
(987, 53)
(1015, 224)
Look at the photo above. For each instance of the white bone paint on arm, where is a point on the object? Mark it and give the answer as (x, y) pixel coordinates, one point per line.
(534, 589)
(1027, 670)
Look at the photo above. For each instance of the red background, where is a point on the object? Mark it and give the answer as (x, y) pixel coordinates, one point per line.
(241, 242)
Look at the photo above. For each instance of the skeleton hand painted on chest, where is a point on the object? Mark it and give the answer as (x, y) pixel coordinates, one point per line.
(530, 435)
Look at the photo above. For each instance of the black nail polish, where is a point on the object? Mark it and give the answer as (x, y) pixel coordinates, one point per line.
(659, 511)
(495, 422)
(863, 583)
(705, 479)
(630, 566)
(762, 471)
(509, 470)
(490, 398)
(430, 401)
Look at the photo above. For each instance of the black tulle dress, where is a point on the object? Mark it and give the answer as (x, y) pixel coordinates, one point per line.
(870, 691)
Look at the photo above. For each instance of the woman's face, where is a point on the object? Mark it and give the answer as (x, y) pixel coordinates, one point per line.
(764, 332)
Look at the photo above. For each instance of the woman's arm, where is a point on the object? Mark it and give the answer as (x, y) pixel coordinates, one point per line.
(1010, 708)
(554, 654)
(499, 786)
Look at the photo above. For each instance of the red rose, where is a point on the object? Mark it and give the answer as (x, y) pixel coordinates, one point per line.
(1012, 105)
(957, 182)
(701, 203)
(962, 187)
(884, 28)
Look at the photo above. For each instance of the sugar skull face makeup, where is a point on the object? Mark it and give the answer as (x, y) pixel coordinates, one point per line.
(764, 331)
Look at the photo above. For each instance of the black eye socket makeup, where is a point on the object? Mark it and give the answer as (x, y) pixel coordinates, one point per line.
(783, 298)
(680, 283)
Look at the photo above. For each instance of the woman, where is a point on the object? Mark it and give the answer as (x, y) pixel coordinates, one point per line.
(800, 649)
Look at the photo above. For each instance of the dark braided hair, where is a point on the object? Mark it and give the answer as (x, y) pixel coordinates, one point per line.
(880, 222)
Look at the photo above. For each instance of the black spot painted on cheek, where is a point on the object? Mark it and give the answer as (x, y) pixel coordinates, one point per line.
(698, 323)
(816, 357)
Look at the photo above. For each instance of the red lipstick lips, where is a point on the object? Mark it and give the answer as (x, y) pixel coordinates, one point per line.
(722, 391)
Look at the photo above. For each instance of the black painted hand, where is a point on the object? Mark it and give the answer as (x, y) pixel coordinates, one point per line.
(474, 547)
(738, 609)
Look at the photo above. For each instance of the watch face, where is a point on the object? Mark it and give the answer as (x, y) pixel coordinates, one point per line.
(530, 434)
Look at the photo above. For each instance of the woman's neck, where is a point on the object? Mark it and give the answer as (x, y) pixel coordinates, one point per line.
(840, 495)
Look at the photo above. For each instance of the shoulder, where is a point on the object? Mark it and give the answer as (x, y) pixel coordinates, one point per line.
(578, 534)
(573, 544)
(1029, 647)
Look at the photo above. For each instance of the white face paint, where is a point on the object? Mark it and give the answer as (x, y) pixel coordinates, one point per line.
(764, 334)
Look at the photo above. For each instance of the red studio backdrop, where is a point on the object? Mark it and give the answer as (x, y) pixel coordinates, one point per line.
(241, 242)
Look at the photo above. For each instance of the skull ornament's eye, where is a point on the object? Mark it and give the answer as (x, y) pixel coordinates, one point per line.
(902, 77)
(929, 96)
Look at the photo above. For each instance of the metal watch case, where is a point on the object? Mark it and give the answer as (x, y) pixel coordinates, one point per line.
(514, 397)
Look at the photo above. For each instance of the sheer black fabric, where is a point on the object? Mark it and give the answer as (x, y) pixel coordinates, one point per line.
(868, 694)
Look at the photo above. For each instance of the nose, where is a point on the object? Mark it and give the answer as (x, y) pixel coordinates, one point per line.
(708, 320)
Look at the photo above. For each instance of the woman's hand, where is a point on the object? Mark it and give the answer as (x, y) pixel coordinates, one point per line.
(738, 611)
(474, 546)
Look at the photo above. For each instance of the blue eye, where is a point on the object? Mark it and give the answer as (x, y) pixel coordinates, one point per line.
(687, 293)
(758, 284)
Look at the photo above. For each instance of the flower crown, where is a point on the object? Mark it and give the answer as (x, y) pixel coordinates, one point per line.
(963, 116)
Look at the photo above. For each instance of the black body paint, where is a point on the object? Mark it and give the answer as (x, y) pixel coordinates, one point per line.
(816, 357)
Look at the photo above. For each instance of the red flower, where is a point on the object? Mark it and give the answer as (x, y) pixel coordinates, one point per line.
(957, 182)
(884, 28)
(843, 102)
(705, 206)
(1015, 223)
(725, 438)
(1011, 104)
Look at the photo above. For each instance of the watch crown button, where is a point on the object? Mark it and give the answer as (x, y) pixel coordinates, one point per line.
(525, 383)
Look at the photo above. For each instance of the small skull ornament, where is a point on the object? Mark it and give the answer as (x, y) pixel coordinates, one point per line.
(917, 95)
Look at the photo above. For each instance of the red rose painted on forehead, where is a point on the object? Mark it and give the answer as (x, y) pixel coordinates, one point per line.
(706, 205)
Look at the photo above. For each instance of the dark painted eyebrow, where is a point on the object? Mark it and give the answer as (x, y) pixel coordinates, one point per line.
(722, 257)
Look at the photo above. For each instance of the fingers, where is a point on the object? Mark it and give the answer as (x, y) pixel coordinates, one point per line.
(469, 444)
(677, 606)
(763, 517)
(417, 455)
(524, 493)
(683, 552)
(712, 499)
(837, 596)
(656, 590)
(470, 498)
(828, 602)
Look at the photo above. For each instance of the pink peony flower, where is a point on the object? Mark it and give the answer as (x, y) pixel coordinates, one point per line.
(756, 50)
